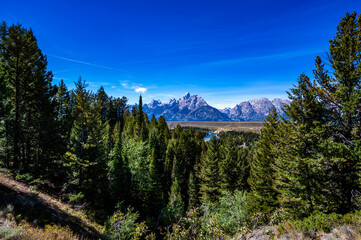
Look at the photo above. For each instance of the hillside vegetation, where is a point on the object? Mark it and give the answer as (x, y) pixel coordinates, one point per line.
(129, 177)
(30, 214)
(220, 126)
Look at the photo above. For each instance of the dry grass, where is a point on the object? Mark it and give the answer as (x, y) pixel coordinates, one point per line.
(220, 126)
(50, 232)
(31, 204)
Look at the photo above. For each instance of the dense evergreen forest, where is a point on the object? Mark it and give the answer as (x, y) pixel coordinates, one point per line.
(140, 179)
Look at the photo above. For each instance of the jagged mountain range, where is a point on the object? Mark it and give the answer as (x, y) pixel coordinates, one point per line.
(194, 108)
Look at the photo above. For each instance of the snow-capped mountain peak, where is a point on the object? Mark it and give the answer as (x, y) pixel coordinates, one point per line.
(195, 108)
(186, 96)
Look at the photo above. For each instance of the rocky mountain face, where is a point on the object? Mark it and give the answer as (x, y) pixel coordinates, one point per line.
(254, 110)
(187, 108)
(194, 108)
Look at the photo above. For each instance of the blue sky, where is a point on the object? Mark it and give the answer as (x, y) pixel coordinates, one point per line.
(224, 51)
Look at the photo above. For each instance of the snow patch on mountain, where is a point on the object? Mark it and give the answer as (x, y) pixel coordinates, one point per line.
(195, 108)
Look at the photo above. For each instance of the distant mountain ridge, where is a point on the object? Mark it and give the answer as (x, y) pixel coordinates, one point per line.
(187, 108)
(254, 110)
(195, 108)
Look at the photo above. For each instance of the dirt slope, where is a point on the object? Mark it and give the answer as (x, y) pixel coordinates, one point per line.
(40, 209)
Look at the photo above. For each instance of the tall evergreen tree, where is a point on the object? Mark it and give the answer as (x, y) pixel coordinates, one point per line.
(119, 174)
(156, 173)
(175, 207)
(210, 184)
(234, 167)
(141, 119)
(64, 111)
(86, 156)
(302, 175)
(262, 173)
(341, 95)
(153, 122)
(192, 191)
(102, 100)
(30, 95)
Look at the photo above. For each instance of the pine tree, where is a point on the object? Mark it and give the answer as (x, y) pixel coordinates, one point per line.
(4, 106)
(175, 207)
(300, 164)
(29, 97)
(153, 122)
(156, 173)
(119, 174)
(192, 191)
(184, 160)
(262, 173)
(102, 100)
(228, 170)
(64, 111)
(141, 121)
(86, 158)
(209, 187)
(341, 95)
(117, 108)
(168, 165)
(129, 130)
(163, 128)
(234, 167)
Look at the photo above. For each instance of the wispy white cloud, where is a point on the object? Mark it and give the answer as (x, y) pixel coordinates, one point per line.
(87, 63)
(138, 88)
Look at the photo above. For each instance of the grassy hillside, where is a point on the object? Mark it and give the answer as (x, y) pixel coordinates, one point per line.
(31, 214)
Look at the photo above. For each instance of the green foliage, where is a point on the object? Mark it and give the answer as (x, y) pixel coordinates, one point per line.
(175, 208)
(317, 163)
(301, 172)
(9, 233)
(27, 99)
(319, 222)
(239, 138)
(122, 225)
(341, 95)
(182, 156)
(141, 120)
(213, 220)
(119, 173)
(228, 214)
(76, 198)
(210, 187)
(262, 173)
(192, 191)
(27, 177)
(190, 227)
(234, 167)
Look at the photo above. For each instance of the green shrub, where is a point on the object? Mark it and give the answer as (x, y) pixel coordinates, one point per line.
(27, 177)
(75, 198)
(320, 222)
(352, 218)
(9, 233)
(227, 215)
(124, 226)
